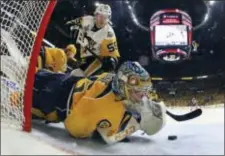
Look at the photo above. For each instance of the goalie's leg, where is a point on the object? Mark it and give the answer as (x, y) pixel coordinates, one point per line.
(45, 90)
(50, 92)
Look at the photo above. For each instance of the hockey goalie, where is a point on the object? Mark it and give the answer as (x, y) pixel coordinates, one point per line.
(97, 41)
(108, 106)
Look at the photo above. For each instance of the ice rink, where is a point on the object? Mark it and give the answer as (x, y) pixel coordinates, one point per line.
(201, 136)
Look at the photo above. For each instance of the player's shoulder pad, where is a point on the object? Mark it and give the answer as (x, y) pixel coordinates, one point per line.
(110, 32)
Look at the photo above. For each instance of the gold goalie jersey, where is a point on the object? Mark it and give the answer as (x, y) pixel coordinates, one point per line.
(91, 102)
(91, 107)
(101, 41)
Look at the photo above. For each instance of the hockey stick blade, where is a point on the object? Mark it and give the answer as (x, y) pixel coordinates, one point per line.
(184, 117)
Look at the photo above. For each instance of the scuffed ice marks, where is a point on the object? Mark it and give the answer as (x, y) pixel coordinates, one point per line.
(200, 136)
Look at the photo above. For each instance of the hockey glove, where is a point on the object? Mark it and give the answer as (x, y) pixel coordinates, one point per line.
(74, 26)
(109, 64)
(153, 116)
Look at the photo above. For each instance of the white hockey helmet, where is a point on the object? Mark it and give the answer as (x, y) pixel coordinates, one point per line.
(105, 10)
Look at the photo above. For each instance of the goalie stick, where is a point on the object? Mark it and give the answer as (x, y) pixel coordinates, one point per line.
(187, 116)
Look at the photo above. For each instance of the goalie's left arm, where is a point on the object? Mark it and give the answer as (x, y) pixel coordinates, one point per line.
(129, 124)
(150, 118)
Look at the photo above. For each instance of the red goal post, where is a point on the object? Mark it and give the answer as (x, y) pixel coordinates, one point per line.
(19, 53)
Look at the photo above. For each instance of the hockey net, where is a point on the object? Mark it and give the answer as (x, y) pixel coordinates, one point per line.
(23, 25)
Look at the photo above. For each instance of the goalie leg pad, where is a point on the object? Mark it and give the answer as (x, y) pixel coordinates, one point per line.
(51, 91)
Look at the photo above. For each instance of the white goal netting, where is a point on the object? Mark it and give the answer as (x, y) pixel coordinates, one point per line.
(20, 20)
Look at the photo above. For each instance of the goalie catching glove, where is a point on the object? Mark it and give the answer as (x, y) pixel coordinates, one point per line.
(153, 116)
(109, 63)
(133, 83)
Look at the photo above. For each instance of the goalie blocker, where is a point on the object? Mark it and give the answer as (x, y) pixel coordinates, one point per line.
(113, 105)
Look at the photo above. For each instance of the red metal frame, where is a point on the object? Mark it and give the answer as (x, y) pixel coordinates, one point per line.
(28, 92)
(155, 20)
(167, 51)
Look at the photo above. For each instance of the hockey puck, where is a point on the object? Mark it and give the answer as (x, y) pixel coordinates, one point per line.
(172, 137)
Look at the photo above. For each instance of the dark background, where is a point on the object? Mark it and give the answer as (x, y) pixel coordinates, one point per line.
(134, 41)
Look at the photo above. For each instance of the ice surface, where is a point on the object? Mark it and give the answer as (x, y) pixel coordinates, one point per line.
(15, 142)
(200, 136)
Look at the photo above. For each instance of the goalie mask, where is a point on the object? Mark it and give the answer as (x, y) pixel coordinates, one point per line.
(132, 82)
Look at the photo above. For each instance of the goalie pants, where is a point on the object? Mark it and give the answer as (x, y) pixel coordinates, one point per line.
(51, 92)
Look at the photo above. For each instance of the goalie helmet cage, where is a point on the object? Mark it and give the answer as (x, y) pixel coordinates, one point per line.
(20, 48)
